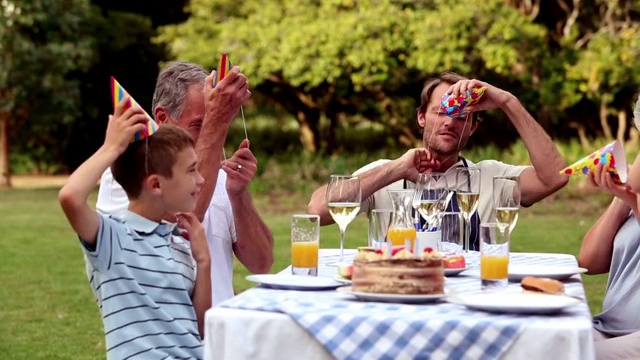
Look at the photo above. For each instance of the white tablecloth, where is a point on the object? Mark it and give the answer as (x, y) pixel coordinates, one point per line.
(248, 334)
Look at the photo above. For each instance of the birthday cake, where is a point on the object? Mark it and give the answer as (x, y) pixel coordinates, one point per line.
(403, 273)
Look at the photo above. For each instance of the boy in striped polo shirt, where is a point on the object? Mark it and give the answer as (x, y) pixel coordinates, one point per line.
(152, 286)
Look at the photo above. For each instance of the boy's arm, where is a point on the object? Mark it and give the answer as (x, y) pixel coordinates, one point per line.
(201, 296)
(73, 195)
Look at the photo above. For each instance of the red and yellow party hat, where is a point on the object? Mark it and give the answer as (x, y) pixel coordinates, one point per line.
(118, 93)
(613, 158)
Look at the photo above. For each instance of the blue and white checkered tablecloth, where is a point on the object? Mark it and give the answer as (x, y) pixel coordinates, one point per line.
(351, 329)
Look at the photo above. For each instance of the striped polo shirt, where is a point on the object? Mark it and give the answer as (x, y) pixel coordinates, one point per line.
(142, 275)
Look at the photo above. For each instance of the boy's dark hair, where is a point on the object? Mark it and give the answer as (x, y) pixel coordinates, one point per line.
(155, 154)
(430, 85)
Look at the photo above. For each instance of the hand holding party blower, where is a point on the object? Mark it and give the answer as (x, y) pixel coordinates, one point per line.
(455, 107)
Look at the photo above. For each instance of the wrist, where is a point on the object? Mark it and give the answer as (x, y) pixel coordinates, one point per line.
(203, 262)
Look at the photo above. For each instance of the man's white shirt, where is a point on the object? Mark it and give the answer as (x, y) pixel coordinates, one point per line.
(218, 226)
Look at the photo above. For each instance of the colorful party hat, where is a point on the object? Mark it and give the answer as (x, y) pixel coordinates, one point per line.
(223, 69)
(611, 155)
(118, 93)
(454, 107)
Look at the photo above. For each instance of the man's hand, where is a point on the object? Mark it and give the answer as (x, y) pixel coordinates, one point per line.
(416, 161)
(199, 246)
(223, 102)
(123, 125)
(240, 169)
(493, 97)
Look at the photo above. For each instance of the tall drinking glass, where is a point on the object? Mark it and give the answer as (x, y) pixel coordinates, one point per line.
(506, 201)
(431, 197)
(305, 244)
(379, 222)
(494, 257)
(343, 199)
(467, 194)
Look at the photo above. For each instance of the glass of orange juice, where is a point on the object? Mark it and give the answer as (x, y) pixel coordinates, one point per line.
(494, 257)
(305, 244)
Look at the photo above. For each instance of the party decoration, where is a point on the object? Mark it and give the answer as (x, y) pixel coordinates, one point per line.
(223, 69)
(118, 93)
(611, 155)
(454, 107)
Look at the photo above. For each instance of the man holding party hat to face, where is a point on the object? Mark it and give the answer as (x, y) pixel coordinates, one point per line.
(448, 116)
(185, 96)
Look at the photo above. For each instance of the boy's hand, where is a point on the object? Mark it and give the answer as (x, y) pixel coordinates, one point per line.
(123, 125)
(199, 246)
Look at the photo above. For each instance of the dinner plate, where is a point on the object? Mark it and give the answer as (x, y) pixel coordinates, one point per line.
(453, 272)
(392, 298)
(515, 303)
(517, 272)
(294, 282)
(342, 279)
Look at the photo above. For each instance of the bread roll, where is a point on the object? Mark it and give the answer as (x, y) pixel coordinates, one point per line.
(545, 285)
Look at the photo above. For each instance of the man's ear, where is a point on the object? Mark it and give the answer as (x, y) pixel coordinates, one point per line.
(152, 184)
(421, 119)
(161, 115)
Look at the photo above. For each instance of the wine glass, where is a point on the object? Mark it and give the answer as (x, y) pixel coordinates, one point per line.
(431, 197)
(467, 194)
(343, 201)
(506, 201)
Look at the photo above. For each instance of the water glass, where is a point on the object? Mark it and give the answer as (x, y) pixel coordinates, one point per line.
(452, 229)
(494, 257)
(379, 221)
(305, 244)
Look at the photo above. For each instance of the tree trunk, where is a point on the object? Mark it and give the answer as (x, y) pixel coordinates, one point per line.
(309, 134)
(622, 125)
(5, 166)
(582, 135)
(606, 129)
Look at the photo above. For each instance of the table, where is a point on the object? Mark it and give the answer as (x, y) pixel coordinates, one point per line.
(236, 330)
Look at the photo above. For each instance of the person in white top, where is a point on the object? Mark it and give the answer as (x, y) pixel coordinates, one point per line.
(184, 96)
(444, 137)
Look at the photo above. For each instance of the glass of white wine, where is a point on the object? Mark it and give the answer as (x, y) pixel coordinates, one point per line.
(431, 197)
(506, 201)
(343, 200)
(467, 194)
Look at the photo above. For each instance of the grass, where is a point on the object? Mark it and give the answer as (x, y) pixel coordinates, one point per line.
(47, 310)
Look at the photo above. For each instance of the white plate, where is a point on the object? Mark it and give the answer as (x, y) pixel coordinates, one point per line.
(342, 280)
(517, 272)
(516, 303)
(294, 282)
(453, 272)
(392, 298)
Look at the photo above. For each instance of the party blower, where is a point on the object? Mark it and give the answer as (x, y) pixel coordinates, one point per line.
(611, 156)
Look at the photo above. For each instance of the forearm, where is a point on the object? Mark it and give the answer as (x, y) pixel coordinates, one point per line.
(209, 149)
(370, 182)
(201, 296)
(254, 241)
(74, 194)
(544, 154)
(597, 245)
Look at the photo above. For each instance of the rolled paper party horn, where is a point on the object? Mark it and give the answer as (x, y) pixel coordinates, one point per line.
(117, 93)
(454, 106)
(223, 69)
(611, 155)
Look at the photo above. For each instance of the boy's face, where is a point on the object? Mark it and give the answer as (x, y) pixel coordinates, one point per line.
(180, 192)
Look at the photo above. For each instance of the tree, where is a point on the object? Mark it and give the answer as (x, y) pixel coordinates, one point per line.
(41, 43)
(350, 60)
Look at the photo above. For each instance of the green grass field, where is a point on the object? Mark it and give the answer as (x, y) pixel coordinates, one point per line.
(47, 310)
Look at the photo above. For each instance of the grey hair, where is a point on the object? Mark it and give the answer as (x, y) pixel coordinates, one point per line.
(172, 85)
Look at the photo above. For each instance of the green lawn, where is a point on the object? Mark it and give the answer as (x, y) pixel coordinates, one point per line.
(47, 310)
